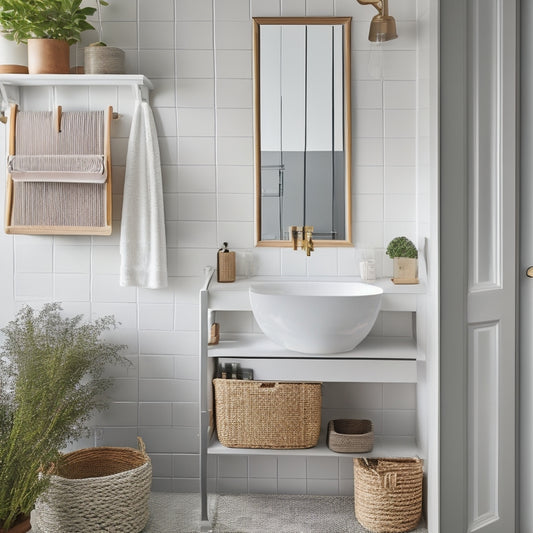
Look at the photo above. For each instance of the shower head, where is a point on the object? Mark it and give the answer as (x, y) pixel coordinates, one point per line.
(383, 26)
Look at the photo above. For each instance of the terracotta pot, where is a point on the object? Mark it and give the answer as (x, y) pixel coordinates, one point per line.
(405, 270)
(22, 524)
(48, 56)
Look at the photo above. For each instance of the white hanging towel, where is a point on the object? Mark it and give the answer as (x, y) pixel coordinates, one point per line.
(143, 252)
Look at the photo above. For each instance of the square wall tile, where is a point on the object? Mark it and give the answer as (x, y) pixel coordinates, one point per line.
(194, 35)
(260, 8)
(399, 422)
(324, 487)
(400, 123)
(367, 123)
(195, 92)
(232, 466)
(262, 466)
(399, 94)
(322, 467)
(400, 152)
(156, 35)
(25, 254)
(196, 151)
(292, 486)
(234, 93)
(194, 64)
(234, 64)
(72, 287)
(319, 8)
(232, 9)
(194, 9)
(400, 180)
(185, 414)
(292, 467)
(156, 366)
(293, 8)
(262, 485)
(155, 414)
(235, 207)
(196, 179)
(196, 122)
(235, 151)
(400, 207)
(399, 396)
(156, 316)
(233, 35)
(234, 122)
(187, 466)
(160, 10)
(34, 286)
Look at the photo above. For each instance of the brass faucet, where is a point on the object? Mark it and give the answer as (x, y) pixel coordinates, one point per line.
(302, 236)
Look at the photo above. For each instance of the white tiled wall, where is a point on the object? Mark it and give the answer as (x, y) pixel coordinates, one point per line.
(198, 54)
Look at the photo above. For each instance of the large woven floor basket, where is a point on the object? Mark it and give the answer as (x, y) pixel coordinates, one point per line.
(388, 494)
(267, 414)
(97, 490)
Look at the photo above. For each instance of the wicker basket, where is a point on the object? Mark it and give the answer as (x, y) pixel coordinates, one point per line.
(101, 489)
(388, 494)
(266, 414)
(350, 435)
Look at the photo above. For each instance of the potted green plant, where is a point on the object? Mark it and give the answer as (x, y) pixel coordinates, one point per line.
(51, 381)
(49, 27)
(405, 260)
(100, 58)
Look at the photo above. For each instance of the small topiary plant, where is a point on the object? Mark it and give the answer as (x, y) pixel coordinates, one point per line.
(402, 247)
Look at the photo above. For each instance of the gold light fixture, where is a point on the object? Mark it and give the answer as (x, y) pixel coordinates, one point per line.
(383, 26)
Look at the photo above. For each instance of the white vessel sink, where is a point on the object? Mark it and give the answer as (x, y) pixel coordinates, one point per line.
(319, 317)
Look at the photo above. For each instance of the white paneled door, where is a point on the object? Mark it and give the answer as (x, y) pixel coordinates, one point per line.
(526, 283)
(491, 300)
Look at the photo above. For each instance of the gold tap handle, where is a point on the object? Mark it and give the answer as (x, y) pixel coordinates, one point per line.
(293, 235)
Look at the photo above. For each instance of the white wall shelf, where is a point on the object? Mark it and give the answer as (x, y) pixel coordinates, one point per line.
(41, 80)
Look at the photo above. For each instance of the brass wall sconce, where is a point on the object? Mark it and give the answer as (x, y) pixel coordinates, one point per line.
(383, 26)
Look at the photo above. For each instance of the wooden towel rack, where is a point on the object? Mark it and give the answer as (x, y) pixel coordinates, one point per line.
(76, 226)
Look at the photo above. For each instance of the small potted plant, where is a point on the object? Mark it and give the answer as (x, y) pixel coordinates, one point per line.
(405, 260)
(49, 27)
(100, 58)
(51, 381)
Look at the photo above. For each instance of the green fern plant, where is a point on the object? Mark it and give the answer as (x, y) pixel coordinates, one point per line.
(51, 382)
(402, 247)
(64, 20)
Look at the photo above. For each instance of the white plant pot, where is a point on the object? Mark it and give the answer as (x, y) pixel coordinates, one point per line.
(13, 57)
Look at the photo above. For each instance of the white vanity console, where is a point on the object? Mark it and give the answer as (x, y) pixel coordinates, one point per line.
(375, 360)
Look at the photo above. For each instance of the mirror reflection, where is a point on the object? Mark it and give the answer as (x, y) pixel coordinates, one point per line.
(302, 128)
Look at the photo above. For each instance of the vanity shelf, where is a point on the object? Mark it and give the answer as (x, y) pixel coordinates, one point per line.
(383, 447)
(375, 360)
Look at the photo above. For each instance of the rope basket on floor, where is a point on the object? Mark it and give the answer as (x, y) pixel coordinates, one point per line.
(388, 494)
(101, 489)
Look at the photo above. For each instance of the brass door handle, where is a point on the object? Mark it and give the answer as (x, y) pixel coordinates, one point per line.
(529, 272)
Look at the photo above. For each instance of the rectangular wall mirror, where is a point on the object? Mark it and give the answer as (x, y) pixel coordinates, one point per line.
(302, 128)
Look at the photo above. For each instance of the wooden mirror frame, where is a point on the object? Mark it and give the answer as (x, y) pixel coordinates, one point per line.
(346, 23)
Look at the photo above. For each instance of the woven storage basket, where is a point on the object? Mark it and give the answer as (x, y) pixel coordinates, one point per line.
(350, 435)
(388, 494)
(266, 414)
(96, 490)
